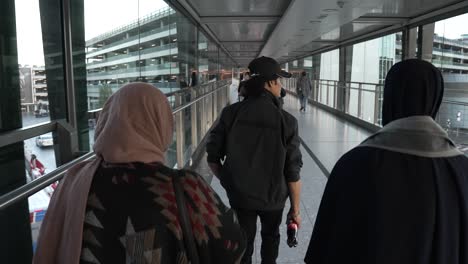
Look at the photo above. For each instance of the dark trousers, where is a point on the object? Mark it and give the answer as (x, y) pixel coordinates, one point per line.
(270, 221)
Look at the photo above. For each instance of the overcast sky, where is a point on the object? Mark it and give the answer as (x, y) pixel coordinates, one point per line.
(104, 15)
(100, 16)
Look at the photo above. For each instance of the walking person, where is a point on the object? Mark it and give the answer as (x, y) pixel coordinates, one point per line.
(241, 89)
(126, 206)
(37, 168)
(259, 144)
(401, 196)
(303, 89)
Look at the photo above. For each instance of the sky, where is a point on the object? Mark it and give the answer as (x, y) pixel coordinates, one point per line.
(100, 16)
(453, 27)
(104, 15)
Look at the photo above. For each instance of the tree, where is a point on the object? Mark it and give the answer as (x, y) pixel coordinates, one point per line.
(105, 91)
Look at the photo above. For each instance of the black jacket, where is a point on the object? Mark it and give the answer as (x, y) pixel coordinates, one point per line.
(261, 145)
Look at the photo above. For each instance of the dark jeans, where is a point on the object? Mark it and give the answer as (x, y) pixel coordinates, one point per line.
(270, 221)
(303, 101)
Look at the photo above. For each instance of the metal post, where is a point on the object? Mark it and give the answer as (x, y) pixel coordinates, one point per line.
(328, 92)
(335, 95)
(405, 44)
(179, 133)
(347, 94)
(215, 103)
(67, 37)
(193, 119)
(419, 42)
(209, 109)
(376, 104)
(203, 112)
(359, 113)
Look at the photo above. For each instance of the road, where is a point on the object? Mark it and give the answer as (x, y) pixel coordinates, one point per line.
(45, 155)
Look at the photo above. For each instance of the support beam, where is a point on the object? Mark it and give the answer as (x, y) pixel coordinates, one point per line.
(376, 20)
(238, 19)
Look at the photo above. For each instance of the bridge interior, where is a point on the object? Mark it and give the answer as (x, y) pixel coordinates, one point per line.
(195, 51)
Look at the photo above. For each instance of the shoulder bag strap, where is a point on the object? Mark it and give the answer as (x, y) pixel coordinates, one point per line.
(189, 239)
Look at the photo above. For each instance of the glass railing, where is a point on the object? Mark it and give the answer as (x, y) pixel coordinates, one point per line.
(447, 51)
(195, 110)
(164, 66)
(134, 53)
(364, 101)
(128, 40)
(448, 63)
(136, 23)
(114, 86)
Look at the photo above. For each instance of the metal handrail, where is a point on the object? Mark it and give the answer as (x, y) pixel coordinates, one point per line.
(21, 134)
(182, 107)
(348, 86)
(454, 102)
(31, 188)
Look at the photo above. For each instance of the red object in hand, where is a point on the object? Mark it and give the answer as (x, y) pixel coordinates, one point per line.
(292, 234)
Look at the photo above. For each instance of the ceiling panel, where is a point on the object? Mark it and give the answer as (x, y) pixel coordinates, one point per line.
(286, 29)
(409, 8)
(244, 54)
(240, 7)
(242, 31)
(244, 46)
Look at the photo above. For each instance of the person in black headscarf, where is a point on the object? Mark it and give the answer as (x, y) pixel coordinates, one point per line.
(402, 195)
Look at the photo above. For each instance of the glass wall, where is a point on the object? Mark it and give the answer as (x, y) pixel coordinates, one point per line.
(446, 46)
(113, 42)
(33, 79)
(368, 63)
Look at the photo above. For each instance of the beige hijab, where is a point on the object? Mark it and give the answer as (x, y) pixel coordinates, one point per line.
(135, 125)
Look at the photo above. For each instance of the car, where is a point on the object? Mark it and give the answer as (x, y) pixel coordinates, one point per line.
(45, 140)
(41, 113)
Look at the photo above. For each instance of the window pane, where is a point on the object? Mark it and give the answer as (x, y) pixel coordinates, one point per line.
(367, 66)
(33, 80)
(202, 58)
(446, 45)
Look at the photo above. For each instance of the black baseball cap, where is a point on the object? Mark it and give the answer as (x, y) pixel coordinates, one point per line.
(267, 68)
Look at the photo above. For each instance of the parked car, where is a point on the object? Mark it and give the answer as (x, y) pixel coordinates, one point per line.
(45, 140)
(41, 113)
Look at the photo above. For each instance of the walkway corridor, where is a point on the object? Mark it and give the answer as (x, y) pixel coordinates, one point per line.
(326, 138)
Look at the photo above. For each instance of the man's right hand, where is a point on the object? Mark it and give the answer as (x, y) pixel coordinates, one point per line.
(296, 217)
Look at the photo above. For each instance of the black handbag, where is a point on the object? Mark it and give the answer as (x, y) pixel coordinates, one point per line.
(187, 233)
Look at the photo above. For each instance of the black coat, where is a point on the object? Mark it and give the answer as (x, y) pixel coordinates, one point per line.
(260, 144)
(401, 197)
(385, 207)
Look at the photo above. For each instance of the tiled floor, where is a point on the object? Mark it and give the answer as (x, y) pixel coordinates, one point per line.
(328, 138)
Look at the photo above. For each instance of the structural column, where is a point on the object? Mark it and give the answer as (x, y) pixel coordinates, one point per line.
(15, 228)
(427, 42)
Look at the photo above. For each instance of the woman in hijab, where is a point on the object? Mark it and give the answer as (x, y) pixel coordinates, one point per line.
(402, 195)
(121, 207)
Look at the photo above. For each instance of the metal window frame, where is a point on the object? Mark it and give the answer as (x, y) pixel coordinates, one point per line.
(29, 189)
(449, 11)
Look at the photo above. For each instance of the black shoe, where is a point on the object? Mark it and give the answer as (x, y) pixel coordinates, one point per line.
(301, 109)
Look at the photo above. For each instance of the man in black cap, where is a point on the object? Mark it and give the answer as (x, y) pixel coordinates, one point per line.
(254, 151)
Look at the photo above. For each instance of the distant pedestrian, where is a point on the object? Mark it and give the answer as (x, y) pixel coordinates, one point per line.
(37, 168)
(241, 90)
(193, 79)
(303, 89)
